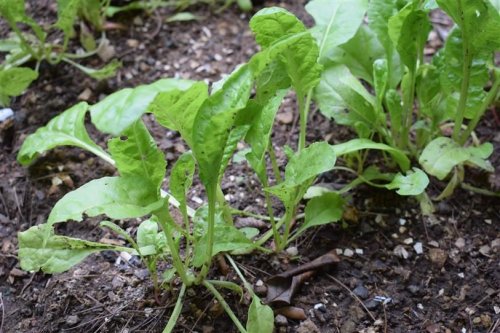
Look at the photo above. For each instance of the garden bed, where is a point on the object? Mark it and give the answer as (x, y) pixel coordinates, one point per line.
(399, 271)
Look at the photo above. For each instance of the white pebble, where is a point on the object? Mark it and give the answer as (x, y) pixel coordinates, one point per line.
(461, 275)
(420, 306)
(408, 241)
(402, 221)
(401, 252)
(348, 252)
(359, 251)
(418, 248)
(339, 251)
(197, 200)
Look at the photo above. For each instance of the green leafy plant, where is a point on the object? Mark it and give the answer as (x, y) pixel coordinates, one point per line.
(241, 107)
(36, 45)
(432, 96)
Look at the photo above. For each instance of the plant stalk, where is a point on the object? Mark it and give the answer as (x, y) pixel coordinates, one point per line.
(303, 113)
(176, 312)
(226, 307)
(274, 162)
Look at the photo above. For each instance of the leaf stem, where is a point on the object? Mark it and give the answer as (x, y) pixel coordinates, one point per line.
(247, 285)
(464, 89)
(176, 312)
(212, 197)
(478, 115)
(224, 304)
(274, 162)
(303, 113)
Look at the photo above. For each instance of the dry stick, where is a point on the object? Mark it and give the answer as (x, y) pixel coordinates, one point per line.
(3, 313)
(201, 315)
(353, 295)
(494, 327)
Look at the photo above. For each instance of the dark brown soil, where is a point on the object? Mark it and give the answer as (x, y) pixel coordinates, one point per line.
(452, 286)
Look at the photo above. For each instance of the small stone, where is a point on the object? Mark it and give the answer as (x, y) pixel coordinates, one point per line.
(402, 230)
(401, 252)
(486, 320)
(433, 243)
(339, 251)
(281, 320)
(414, 289)
(85, 95)
(148, 311)
(72, 320)
(260, 290)
(371, 304)
(320, 306)
(348, 252)
(460, 243)
(476, 320)
(285, 117)
(438, 257)
(394, 235)
(361, 292)
(418, 248)
(259, 283)
(420, 306)
(485, 250)
(292, 251)
(359, 251)
(307, 326)
(117, 282)
(461, 275)
(408, 241)
(487, 221)
(402, 221)
(132, 43)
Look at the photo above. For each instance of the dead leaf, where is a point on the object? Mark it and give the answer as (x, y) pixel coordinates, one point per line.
(438, 257)
(282, 287)
(292, 312)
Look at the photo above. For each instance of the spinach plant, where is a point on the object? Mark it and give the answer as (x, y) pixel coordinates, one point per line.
(241, 107)
(415, 99)
(37, 45)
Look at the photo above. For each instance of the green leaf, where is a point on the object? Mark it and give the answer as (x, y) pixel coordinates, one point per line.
(379, 13)
(109, 70)
(260, 317)
(441, 155)
(228, 285)
(214, 121)
(414, 183)
(115, 197)
(177, 109)
(321, 210)
(91, 11)
(136, 155)
(67, 11)
(478, 20)
(182, 17)
(40, 248)
(226, 238)
(316, 159)
(181, 177)
(451, 75)
(13, 11)
(67, 129)
(380, 73)
(259, 134)
(245, 5)
(336, 22)
(149, 240)
(360, 144)
(14, 81)
(342, 97)
(408, 31)
(284, 37)
(121, 109)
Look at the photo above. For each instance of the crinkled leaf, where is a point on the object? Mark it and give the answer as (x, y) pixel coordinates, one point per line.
(284, 37)
(451, 75)
(136, 154)
(336, 22)
(342, 97)
(360, 144)
(258, 135)
(177, 109)
(442, 154)
(380, 77)
(478, 20)
(323, 209)
(149, 240)
(40, 248)
(14, 81)
(115, 197)
(181, 177)
(121, 109)
(214, 121)
(414, 183)
(226, 238)
(67, 129)
(408, 31)
(260, 317)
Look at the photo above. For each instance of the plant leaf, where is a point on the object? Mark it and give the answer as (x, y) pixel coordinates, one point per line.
(414, 183)
(105, 72)
(336, 22)
(408, 31)
(121, 109)
(14, 81)
(55, 254)
(116, 197)
(214, 121)
(260, 317)
(442, 154)
(67, 129)
(182, 17)
(149, 240)
(177, 109)
(360, 144)
(342, 97)
(226, 238)
(136, 155)
(181, 177)
(321, 210)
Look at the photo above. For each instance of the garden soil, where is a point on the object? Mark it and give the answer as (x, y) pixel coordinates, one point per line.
(399, 271)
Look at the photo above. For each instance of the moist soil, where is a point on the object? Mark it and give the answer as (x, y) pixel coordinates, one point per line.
(399, 271)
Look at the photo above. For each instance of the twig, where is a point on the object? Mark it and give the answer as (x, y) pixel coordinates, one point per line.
(201, 315)
(3, 313)
(26, 286)
(18, 205)
(353, 295)
(494, 327)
